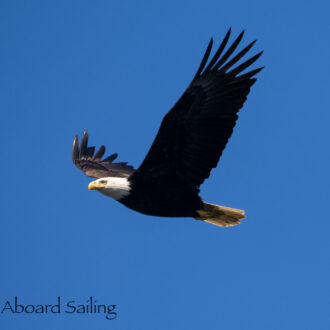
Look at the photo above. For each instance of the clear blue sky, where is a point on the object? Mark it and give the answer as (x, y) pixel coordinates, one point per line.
(116, 68)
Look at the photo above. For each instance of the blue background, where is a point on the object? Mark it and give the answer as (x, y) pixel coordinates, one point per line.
(116, 68)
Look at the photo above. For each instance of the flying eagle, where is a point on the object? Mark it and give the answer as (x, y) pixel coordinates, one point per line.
(189, 143)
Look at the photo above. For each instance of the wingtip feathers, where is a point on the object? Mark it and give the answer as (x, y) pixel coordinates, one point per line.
(220, 63)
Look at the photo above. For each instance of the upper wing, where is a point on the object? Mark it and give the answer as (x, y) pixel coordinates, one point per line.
(194, 133)
(92, 165)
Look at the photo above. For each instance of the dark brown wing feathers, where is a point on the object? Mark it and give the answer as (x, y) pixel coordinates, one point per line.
(194, 133)
(93, 165)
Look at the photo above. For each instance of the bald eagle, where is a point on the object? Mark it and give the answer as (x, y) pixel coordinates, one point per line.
(189, 143)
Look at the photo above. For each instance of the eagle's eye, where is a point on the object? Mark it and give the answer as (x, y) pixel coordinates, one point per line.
(103, 181)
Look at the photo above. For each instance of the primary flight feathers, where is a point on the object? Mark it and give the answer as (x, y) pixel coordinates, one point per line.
(93, 165)
(189, 143)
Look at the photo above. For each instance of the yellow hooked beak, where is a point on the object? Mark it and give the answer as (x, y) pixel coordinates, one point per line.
(95, 185)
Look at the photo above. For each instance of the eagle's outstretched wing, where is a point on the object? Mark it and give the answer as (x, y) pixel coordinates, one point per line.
(93, 165)
(194, 133)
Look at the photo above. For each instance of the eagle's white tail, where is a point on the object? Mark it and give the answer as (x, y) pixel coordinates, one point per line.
(220, 215)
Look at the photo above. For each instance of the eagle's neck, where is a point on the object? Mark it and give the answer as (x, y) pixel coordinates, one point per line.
(116, 188)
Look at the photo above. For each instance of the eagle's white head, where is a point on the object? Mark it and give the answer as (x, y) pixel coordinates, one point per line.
(115, 188)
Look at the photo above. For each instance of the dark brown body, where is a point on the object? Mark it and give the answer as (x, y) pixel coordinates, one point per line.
(171, 199)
